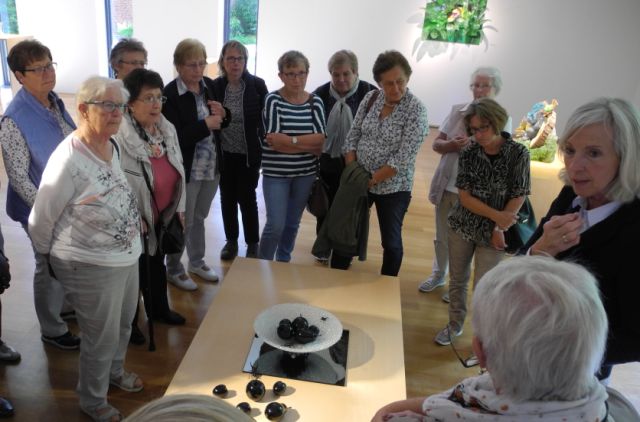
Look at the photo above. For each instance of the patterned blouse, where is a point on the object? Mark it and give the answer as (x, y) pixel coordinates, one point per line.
(233, 135)
(280, 116)
(494, 181)
(394, 140)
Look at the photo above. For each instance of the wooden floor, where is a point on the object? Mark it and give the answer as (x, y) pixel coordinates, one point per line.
(42, 384)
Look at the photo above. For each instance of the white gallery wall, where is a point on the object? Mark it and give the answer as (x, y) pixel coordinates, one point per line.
(573, 50)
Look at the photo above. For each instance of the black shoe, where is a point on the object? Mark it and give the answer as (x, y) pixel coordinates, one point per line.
(137, 337)
(230, 250)
(252, 250)
(6, 408)
(171, 318)
(67, 341)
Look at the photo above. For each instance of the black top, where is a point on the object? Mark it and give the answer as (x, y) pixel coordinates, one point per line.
(353, 101)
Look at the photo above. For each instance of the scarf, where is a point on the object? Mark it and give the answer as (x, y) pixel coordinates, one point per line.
(475, 399)
(339, 121)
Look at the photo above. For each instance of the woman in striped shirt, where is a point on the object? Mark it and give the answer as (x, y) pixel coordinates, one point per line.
(294, 126)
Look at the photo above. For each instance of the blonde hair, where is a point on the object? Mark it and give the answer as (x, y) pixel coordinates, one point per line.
(187, 48)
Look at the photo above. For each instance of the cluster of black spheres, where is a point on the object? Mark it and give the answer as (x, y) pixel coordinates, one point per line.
(298, 330)
(256, 391)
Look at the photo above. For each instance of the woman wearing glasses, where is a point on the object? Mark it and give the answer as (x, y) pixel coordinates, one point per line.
(85, 220)
(33, 125)
(127, 55)
(493, 180)
(485, 82)
(152, 162)
(294, 125)
(195, 116)
(244, 95)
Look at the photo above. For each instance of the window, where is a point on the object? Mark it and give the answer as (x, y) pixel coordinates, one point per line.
(119, 16)
(241, 24)
(9, 20)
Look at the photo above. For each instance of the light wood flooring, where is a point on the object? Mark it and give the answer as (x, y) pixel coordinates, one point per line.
(42, 385)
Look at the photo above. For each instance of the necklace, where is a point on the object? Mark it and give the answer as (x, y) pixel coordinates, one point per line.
(390, 105)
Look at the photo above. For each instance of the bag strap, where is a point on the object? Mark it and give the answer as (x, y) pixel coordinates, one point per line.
(153, 197)
(115, 146)
(372, 100)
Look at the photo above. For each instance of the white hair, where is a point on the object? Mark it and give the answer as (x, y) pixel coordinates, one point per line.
(622, 120)
(188, 408)
(96, 86)
(542, 327)
(492, 73)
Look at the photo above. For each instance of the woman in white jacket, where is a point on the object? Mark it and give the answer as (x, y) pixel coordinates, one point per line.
(151, 158)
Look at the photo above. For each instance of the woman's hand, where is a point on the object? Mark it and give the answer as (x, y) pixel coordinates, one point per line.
(560, 233)
(216, 109)
(279, 142)
(143, 226)
(350, 157)
(459, 143)
(505, 219)
(182, 220)
(213, 121)
(497, 240)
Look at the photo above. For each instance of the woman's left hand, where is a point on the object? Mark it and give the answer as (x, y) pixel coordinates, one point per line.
(278, 141)
(497, 240)
(216, 108)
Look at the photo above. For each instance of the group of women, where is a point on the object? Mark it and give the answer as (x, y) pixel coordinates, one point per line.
(145, 154)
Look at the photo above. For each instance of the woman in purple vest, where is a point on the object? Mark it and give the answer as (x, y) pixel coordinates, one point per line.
(32, 127)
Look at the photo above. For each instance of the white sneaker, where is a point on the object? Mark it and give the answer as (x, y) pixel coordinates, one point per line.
(431, 284)
(448, 333)
(182, 281)
(205, 272)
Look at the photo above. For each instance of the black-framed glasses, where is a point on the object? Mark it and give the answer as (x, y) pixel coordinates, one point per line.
(469, 362)
(109, 106)
(141, 63)
(293, 75)
(234, 59)
(153, 99)
(41, 69)
(481, 129)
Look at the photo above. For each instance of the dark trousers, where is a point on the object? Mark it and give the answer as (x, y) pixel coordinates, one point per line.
(391, 209)
(154, 285)
(238, 185)
(330, 172)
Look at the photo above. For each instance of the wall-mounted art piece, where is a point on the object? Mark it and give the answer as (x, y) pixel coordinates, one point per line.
(537, 131)
(458, 21)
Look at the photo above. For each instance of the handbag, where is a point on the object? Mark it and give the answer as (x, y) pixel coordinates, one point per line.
(318, 202)
(170, 235)
(518, 234)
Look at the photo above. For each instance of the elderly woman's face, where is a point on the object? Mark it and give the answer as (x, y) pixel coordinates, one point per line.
(294, 77)
(147, 108)
(482, 87)
(38, 77)
(101, 120)
(343, 78)
(233, 62)
(591, 163)
(192, 70)
(394, 84)
(129, 61)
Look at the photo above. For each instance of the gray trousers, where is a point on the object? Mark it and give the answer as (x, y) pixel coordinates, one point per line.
(461, 252)
(105, 300)
(200, 195)
(440, 265)
(48, 297)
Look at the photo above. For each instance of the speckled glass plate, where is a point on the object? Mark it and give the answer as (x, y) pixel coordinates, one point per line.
(266, 326)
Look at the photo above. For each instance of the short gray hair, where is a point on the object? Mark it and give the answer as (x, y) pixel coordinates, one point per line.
(125, 45)
(96, 86)
(188, 408)
(492, 73)
(542, 326)
(292, 58)
(622, 120)
(341, 58)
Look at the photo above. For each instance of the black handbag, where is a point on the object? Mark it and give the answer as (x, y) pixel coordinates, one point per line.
(170, 235)
(318, 202)
(518, 234)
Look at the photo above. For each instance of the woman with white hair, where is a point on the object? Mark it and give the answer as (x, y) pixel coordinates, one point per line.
(485, 82)
(188, 408)
(540, 330)
(595, 218)
(85, 220)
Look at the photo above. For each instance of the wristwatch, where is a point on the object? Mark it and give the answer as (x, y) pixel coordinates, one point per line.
(294, 140)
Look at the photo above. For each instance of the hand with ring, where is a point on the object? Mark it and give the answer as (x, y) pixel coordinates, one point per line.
(560, 233)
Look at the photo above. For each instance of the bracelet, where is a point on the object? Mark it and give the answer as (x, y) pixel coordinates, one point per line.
(540, 252)
(497, 229)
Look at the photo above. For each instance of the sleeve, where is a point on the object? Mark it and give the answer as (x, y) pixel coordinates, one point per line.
(189, 132)
(520, 173)
(558, 204)
(55, 193)
(355, 133)
(16, 157)
(413, 133)
(270, 115)
(465, 179)
(319, 122)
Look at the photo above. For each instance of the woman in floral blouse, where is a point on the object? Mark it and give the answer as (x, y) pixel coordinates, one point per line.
(387, 132)
(493, 180)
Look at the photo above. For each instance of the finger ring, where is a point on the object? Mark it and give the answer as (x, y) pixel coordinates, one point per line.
(564, 239)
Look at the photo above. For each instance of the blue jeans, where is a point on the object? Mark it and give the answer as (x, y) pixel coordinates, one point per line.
(391, 209)
(285, 199)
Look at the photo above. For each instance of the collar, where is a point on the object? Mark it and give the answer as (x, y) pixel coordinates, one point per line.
(592, 217)
(182, 87)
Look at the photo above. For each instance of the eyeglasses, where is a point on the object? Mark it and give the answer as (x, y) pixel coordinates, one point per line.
(292, 75)
(152, 100)
(196, 65)
(41, 69)
(140, 63)
(474, 130)
(109, 106)
(234, 59)
(469, 362)
(480, 86)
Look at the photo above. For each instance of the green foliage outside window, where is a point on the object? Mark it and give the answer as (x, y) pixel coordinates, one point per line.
(243, 22)
(9, 16)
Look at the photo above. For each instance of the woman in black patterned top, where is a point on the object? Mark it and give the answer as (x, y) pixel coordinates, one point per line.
(493, 180)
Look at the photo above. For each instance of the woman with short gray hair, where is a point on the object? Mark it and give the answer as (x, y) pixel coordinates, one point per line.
(128, 54)
(594, 220)
(540, 329)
